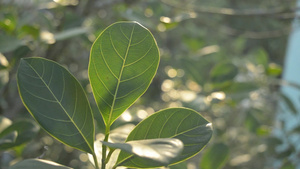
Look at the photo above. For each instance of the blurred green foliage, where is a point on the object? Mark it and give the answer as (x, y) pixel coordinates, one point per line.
(221, 58)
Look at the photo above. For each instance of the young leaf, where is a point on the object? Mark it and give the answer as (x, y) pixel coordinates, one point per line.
(38, 164)
(57, 102)
(152, 152)
(184, 124)
(123, 62)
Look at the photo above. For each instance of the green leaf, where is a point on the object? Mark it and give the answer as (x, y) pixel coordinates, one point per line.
(38, 164)
(181, 165)
(70, 33)
(274, 69)
(18, 133)
(151, 152)
(223, 72)
(9, 43)
(123, 62)
(261, 57)
(215, 157)
(184, 124)
(57, 102)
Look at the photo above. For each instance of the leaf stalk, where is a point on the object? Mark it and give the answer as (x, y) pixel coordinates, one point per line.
(95, 160)
(104, 148)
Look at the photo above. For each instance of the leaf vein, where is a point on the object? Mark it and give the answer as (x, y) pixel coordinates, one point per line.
(120, 75)
(123, 33)
(107, 64)
(113, 45)
(62, 107)
(140, 41)
(139, 74)
(101, 79)
(140, 57)
(181, 122)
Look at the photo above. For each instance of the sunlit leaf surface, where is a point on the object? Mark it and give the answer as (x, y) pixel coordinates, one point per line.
(159, 152)
(123, 62)
(38, 164)
(184, 124)
(57, 102)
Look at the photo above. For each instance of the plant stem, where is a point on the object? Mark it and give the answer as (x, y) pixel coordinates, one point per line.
(104, 148)
(109, 155)
(95, 160)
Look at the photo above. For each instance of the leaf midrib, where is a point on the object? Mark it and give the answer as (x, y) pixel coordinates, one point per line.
(60, 105)
(119, 79)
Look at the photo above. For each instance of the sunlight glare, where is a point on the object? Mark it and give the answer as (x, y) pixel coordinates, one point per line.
(165, 19)
(218, 95)
(148, 12)
(172, 73)
(187, 96)
(142, 114)
(161, 27)
(126, 116)
(167, 85)
(83, 157)
(240, 159)
(47, 37)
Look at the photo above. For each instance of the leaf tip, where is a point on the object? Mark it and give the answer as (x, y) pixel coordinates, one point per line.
(209, 125)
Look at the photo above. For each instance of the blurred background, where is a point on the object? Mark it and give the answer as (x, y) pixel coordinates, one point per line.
(222, 58)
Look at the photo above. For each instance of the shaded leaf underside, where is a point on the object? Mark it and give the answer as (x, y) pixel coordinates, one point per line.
(57, 101)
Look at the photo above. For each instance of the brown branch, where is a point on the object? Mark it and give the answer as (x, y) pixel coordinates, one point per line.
(232, 12)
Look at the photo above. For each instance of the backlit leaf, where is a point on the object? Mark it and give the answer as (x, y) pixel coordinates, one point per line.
(123, 62)
(57, 102)
(153, 152)
(184, 124)
(38, 164)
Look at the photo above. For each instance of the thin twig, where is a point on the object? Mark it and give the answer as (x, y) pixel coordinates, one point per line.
(233, 12)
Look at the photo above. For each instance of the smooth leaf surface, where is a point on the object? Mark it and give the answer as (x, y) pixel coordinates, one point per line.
(123, 62)
(215, 157)
(159, 152)
(9, 43)
(181, 123)
(57, 102)
(38, 164)
(181, 165)
(18, 133)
